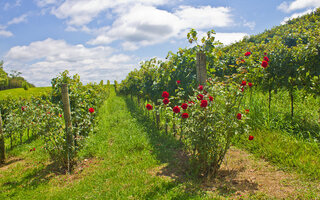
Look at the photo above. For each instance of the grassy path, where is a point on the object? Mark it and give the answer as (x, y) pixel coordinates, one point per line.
(128, 158)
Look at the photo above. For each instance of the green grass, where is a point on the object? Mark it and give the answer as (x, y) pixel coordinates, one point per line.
(287, 152)
(304, 124)
(21, 93)
(292, 143)
(128, 158)
(128, 151)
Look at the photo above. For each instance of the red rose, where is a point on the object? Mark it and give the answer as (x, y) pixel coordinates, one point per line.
(165, 94)
(204, 103)
(251, 137)
(178, 81)
(91, 110)
(185, 115)
(200, 87)
(165, 101)
(239, 115)
(247, 111)
(266, 58)
(149, 107)
(244, 83)
(242, 89)
(184, 106)
(60, 115)
(264, 64)
(250, 84)
(247, 53)
(211, 98)
(176, 109)
(34, 148)
(30, 150)
(265, 53)
(200, 97)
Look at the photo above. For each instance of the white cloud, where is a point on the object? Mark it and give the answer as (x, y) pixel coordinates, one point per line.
(228, 38)
(82, 12)
(43, 3)
(295, 15)
(7, 5)
(204, 17)
(41, 61)
(225, 38)
(251, 25)
(143, 25)
(140, 26)
(17, 20)
(5, 33)
(298, 4)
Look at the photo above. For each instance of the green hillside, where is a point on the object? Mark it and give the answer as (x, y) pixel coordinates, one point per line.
(25, 94)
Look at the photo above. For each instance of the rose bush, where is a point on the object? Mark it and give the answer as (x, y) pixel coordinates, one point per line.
(206, 127)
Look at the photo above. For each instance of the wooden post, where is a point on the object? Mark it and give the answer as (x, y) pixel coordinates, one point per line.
(2, 146)
(201, 68)
(158, 120)
(68, 123)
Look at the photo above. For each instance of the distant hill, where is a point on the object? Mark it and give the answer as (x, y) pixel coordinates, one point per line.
(13, 80)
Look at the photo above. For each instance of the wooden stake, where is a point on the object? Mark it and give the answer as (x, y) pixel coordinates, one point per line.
(201, 68)
(68, 123)
(2, 145)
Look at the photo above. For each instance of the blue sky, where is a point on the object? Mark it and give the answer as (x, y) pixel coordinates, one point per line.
(106, 39)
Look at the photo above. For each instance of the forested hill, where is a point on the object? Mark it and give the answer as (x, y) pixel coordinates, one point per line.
(13, 80)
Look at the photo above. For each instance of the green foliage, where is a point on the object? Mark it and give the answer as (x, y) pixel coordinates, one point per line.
(209, 128)
(43, 116)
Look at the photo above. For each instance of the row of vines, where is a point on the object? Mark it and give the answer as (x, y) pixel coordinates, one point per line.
(43, 117)
(206, 115)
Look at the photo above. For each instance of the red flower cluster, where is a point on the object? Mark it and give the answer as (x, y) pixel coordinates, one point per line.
(60, 115)
(239, 115)
(248, 53)
(178, 82)
(200, 87)
(264, 64)
(184, 106)
(165, 101)
(176, 109)
(250, 84)
(211, 98)
(251, 137)
(91, 110)
(244, 83)
(200, 97)
(32, 149)
(185, 115)
(204, 103)
(247, 111)
(149, 107)
(165, 94)
(266, 58)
